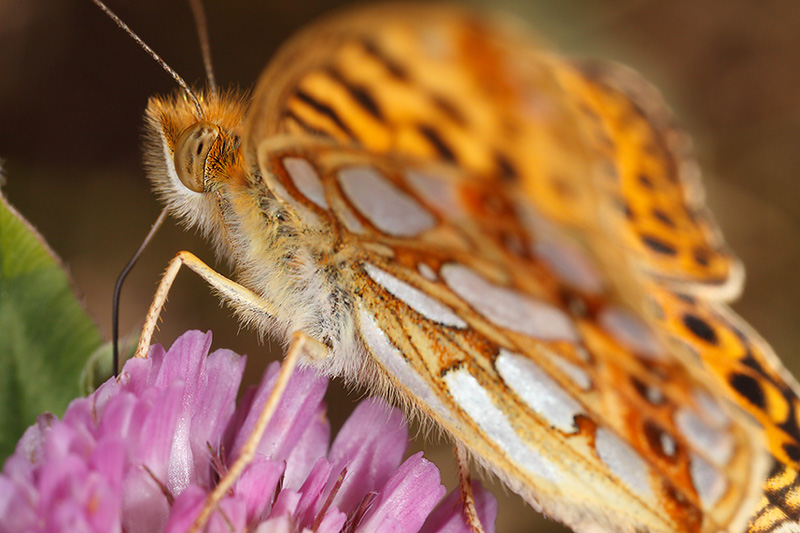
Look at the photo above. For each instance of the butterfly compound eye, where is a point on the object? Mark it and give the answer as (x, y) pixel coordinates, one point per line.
(191, 153)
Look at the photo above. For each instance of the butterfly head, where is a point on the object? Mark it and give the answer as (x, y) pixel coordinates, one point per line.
(189, 158)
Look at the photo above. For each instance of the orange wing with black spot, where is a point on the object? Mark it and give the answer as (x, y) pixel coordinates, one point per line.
(655, 201)
(595, 153)
(590, 143)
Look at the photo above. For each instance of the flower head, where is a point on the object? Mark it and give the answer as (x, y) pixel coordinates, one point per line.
(142, 453)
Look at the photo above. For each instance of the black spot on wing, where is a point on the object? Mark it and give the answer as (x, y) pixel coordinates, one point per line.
(751, 362)
(506, 167)
(365, 100)
(305, 125)
(449, 109)
(792, 450)
(701, 256)
(624, 208)
(394, 68)
(657, 438)
(789, 425)
(325, 110)
(360, 94)
(649, 393)
(658, 246)
(663, 217)
(700, 328)
(646, 182)
(441, 147)
(750, 388)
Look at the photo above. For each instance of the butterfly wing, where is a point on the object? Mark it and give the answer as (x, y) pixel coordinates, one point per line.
(654, 199)
(663, 223)
(536, 365)
(535, 150)
(592, 144)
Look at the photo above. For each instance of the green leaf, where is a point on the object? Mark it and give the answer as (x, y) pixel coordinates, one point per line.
(46, 336)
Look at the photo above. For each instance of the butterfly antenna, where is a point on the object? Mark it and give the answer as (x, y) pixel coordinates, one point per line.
(124, 27)
(199, 14)
(118, 287)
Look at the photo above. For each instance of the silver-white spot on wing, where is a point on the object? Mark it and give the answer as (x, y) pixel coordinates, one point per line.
(416, 299)
(396, 365)
(476, 402)
(714, 443)
(631, 331)
(348, 218)
(668, 444)
(308, 215)
(427, 272)
(571, 265)
(623, 462)
(711, 409)
(576, 374)
(388, 208)
(508, 308)
(653, 394)
(788, 527)
(439, 193)
(306, 179)
(582, 353)
(708, 481)
(537, 389)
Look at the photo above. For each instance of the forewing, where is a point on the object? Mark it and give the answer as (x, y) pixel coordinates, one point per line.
(593, 146)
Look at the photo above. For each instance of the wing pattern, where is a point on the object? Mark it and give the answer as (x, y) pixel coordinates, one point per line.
(560, 389)
(529, 263)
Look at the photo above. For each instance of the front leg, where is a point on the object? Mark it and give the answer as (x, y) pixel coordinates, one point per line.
(239, 297)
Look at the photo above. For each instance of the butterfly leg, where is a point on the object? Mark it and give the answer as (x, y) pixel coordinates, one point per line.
(300, 343)
(242, 299)
(239, 297)
(465, 480)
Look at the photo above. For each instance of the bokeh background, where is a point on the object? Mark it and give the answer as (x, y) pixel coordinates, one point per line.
(73, 89)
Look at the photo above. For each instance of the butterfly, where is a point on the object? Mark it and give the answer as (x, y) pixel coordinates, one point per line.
(511, 245)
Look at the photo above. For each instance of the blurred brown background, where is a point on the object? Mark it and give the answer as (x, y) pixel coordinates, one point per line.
(73, 88)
